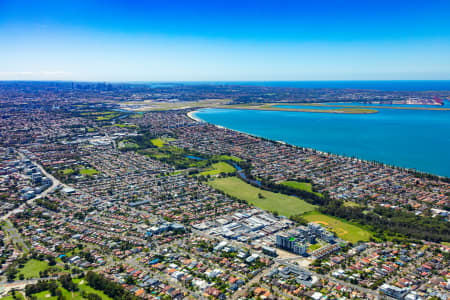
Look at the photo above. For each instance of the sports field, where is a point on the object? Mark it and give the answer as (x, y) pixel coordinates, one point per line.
(343, 229)
(283, 204)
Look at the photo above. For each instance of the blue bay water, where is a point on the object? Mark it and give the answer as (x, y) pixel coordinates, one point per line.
(418, 139)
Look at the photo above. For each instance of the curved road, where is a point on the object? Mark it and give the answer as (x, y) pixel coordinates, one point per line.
(55, 184)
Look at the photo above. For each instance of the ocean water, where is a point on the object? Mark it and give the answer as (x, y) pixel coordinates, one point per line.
(417, 139)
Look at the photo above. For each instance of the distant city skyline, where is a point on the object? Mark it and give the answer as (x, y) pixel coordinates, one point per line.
(226, 41)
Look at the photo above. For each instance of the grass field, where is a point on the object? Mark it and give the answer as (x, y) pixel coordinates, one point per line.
(218, 168)
(283, 204)
(351, 204)
(343, 229)
(123, 125)
(45, 295)
(83, 286)
(88, 172)
(160, 142)
(68, 171)
(9, 297)
(303, 186)
(227, 157)
(106, 117)
(128, 145)
(32, 268)
(136, 116)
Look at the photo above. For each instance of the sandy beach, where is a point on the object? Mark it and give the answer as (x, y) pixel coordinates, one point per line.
(193, 117)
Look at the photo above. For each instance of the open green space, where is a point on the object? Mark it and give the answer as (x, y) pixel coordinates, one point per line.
(303, 186)
(88, 171)
(128, 145)
(227, 157)
(97, 113)
(283, 204)
(82, 285)
(217, 168)
(175, 156)
(107, 116)
(10, 297)
(32, 268)
(19, 296)
(160, 142)
(351, 204)
(123, 125)
(343, 229)
(136, 116)
(68, 171)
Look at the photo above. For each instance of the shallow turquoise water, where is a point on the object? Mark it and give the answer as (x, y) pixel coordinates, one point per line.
(418, 139)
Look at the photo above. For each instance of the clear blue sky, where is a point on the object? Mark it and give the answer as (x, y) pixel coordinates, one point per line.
(224, 40)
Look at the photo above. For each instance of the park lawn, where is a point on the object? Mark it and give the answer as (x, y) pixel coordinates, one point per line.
(227, 157)
(83, 286)
(159, 155)
(68, 171)
(107, 117)
(88, 172)
(128, 145)
(343, 229)
(283, 204)
(176, 173)
(217, 168)
(136, 116)
(32, 268)
(9, 297)
(303, 186)
(42, 296)
(123, 125)
(97, 113)
(351, 204)
(160, 142)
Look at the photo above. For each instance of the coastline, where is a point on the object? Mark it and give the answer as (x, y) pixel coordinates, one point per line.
(193, 117)
(408, 170)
